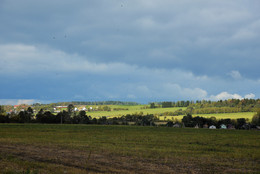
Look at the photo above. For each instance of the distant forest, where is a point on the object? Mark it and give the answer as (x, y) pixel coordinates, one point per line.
(209, 103)
(94, 103)
(168, 104)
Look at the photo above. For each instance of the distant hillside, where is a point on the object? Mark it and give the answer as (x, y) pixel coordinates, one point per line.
(98, 103)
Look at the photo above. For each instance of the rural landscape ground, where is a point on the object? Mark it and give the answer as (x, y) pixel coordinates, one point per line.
(39, 139)
(39, 148)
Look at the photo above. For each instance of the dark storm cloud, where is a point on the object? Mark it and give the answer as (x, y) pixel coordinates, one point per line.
(171, 42)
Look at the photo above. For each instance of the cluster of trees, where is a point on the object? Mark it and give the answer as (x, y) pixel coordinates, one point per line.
(107, 108)
(213, 110)
(228, 103)
(245, 105)
(21, 117)
(210, 107)
(138, 119)
(120, 109)
(176, 104)
(71, 117)
(46, 107)
(104, 108)
(175, 113)
(68, 117)
(190, 121)
(256, 118)
(168, 104)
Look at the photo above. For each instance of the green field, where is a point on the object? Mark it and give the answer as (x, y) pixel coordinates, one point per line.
(158, 111)
(246, 115)
(132, 110)
(39, 148)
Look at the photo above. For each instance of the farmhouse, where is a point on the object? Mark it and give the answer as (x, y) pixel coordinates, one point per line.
(212, 127)
(20, 107)
(131, 123)
(246, 126)
(15, 106)
(60, 107)
(160, 123)
(222, 126)
(84, 109)
(230, 126)
(176, 125)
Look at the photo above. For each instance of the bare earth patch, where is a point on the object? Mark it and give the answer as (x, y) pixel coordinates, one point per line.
(88, 161)
(103, 162)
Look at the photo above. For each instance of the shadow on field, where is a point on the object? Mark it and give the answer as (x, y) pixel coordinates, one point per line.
(90, 162)
(51, 159)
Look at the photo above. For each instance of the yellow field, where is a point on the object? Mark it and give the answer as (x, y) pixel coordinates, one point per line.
(132, 110)
(246, 115)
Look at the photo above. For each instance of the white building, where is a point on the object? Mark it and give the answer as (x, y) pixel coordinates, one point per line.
(212, 127)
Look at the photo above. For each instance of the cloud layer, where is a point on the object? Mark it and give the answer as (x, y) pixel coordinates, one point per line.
(129, 50)
(61, 76)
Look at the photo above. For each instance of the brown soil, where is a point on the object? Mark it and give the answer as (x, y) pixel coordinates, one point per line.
(102, 162)
(91, 162)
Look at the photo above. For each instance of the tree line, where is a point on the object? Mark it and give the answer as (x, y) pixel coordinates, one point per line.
(97, 103)
(210, 107)
(208, 103)
(72, 117)
(200, 122)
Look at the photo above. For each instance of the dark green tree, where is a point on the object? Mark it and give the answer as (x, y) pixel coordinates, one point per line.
(188, 121)
(2, 110)
(30, 110)
(167, 104)
(152, 105)
(240, 122)
(84, 119)
(3, 118)
(71, 108)
(39, 116)
(256, 118)
(169, 124)
(24, 117)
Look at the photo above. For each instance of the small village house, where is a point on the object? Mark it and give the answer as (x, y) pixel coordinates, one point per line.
(212, 127)
(223, 126)
(206, 126)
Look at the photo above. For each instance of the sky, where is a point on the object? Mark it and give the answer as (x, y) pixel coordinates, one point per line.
(128, 50)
